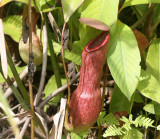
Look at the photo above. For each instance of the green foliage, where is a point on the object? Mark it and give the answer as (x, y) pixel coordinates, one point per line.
(153, 59)
(113, 131)
(13, 26)
(50, 87)
(10, 74)
(152, 107)
(102, 10)
(149, 86)
(108, 119)
(45, 5)
(119, 101)
(3, 2)
(41, 5)
(74, 55)
(69, 7)
(136, 2)
(140, 121)
(86, 34)
(82, 135)
(124, 58)
(133, 134)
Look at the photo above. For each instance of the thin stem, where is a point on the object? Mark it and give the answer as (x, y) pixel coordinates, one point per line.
(30, 83)
(144, 16)
(24, 128)
(154, 26)
(155, 131)
(145, 133)
(103, 97)
(132, 102)
(69, 91)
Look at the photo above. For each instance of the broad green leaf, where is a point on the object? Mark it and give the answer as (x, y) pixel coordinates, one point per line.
(149, 86)
(102, 10)
(69, 7)
(51, 87)
(137, 2)
(133, 134)
(124, 58)
(74, 55)
(19, 70)
(153, 107)
(13, 26)
(153, 59)
(119, 102)
(3, 2)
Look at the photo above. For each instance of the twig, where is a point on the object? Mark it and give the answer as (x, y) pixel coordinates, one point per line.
(144, 16)
(23, 114)
(44, 65)
(54, 25)
(22, 75)
(30, 77)
(64, 87)
(8, 131)
(15, 107)
(24, 128)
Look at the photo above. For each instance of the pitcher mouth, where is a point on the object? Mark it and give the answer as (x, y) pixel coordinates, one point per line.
(97, 42)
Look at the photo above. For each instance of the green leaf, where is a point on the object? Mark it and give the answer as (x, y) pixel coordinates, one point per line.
(51, 87)
(153, 59)
(13, 26)
(82, 135)
(133, 134)
(3, 2)
(45, 5)
(102, 10)
(149, 86)
(108, 119)
(113, 131)
(19, 70)
(124, 58)
(153, 107)
(69, 7)
(119, 102)
(74, 55)
(136, 2)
